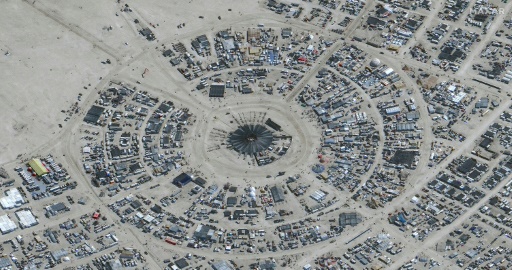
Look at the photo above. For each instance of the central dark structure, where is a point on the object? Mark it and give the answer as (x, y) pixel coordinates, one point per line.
(250, 139)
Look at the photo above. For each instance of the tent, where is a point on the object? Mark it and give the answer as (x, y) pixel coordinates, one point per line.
(318, 168)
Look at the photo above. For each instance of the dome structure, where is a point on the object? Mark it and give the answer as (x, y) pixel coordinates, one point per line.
(250, 139)
(375, 62)
(318, 168)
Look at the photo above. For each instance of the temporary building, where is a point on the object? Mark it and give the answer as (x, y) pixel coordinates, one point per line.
(26, 218)
(277, 194)
(13, 199)
(222, 265)
(182, 180)
(38, 167)
(6, 224)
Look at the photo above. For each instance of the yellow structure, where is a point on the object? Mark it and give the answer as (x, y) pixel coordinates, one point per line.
(394, 47)
(38, 167)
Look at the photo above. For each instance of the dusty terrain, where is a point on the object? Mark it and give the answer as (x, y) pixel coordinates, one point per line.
(54, 63)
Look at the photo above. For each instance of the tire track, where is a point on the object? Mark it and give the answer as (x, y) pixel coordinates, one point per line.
(53, 15)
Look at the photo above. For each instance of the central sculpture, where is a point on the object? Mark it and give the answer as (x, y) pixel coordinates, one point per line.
(250, 139)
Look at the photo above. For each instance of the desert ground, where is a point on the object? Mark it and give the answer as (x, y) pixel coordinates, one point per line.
(60, 58)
